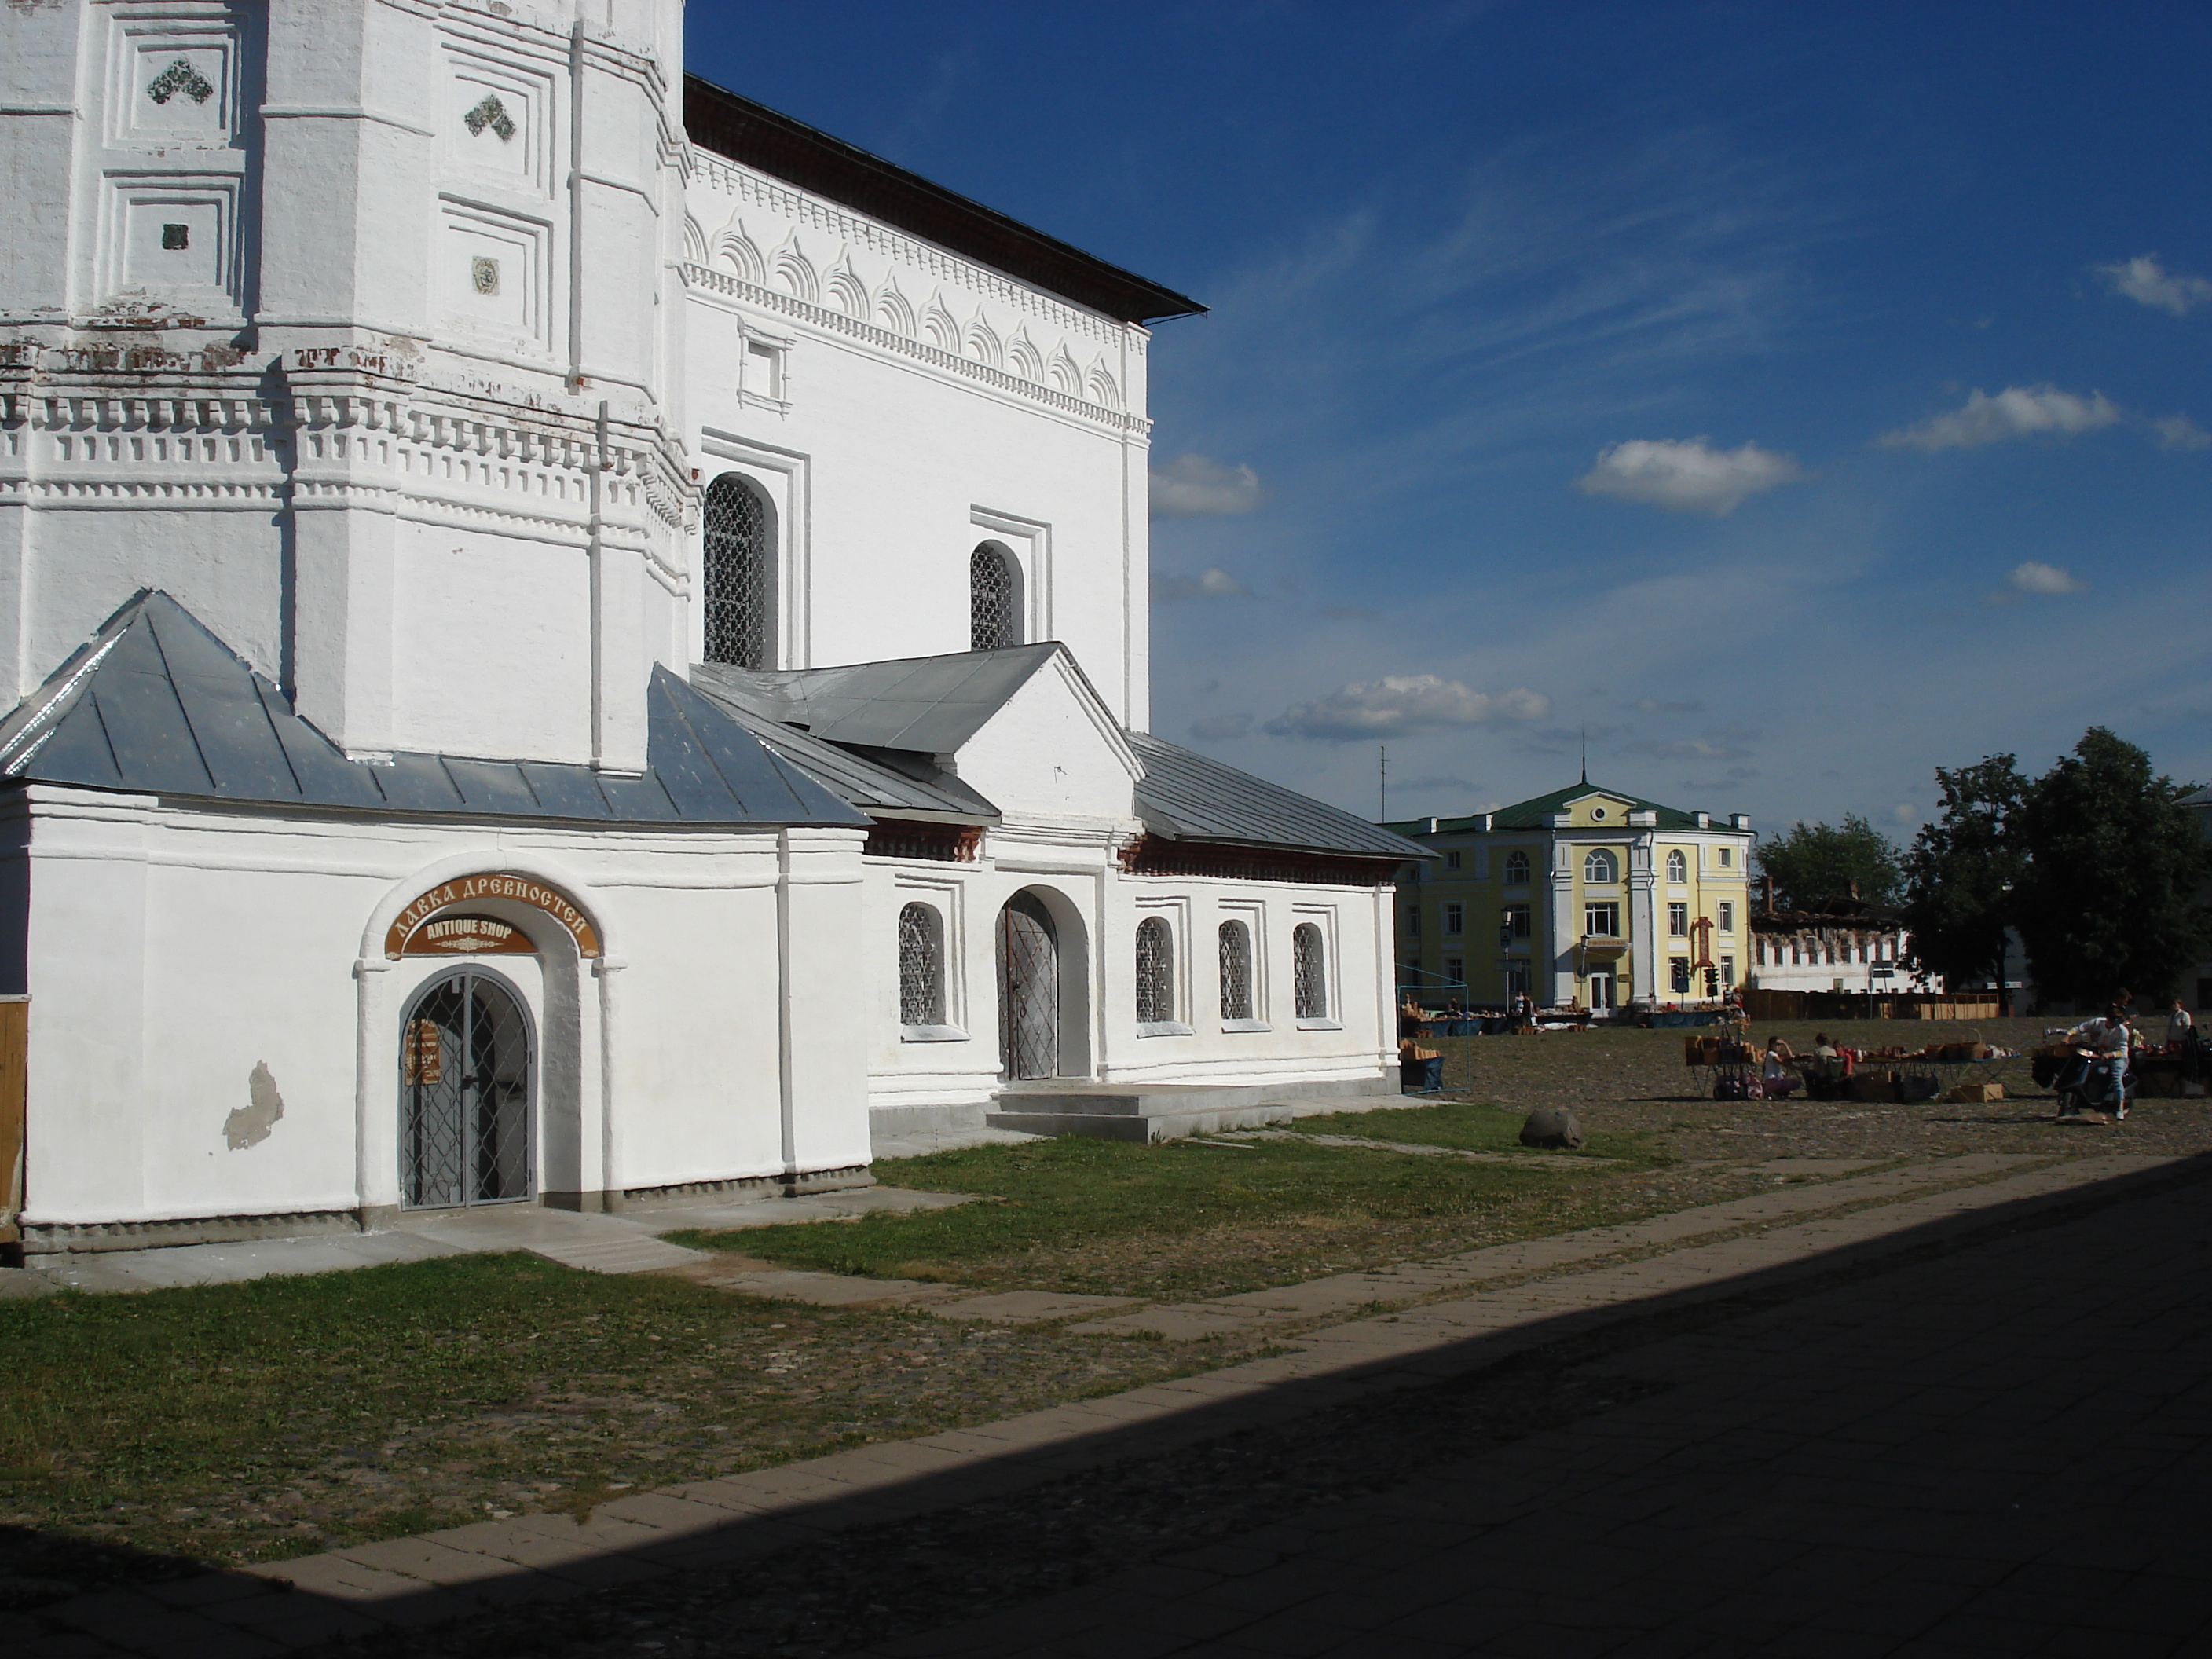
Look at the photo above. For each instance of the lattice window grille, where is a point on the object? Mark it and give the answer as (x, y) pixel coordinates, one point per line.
(1235, 971)
(1310, 966)
(921, 967)
(994, 600)
(738, 594)
(1155, 972)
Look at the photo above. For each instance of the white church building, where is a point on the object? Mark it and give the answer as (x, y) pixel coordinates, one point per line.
(573, 639)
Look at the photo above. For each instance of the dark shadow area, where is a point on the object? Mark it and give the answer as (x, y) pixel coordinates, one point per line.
(1765, 1455)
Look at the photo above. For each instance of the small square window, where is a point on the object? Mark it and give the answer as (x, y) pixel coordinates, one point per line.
(1728, 857)
(1451, 860)
(174, 237)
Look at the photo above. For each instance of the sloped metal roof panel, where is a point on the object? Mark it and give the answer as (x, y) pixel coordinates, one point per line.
(155, 704)
(880, 780)
(1184, 796)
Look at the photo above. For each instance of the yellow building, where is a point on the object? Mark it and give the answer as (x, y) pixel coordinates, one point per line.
(1584, 896)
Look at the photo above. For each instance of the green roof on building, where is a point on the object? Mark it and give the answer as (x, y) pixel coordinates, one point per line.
(1536, 812)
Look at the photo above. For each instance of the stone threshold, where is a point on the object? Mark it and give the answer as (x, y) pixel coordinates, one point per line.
(284, 1606)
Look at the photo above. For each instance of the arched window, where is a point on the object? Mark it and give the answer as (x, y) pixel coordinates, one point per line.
(1598, 866)
(1310, 970)
(994, 599)
(1516, 869)
(921, 966)
(1236, 970)
(738, 578)
(1678, 867)
(1155, 972)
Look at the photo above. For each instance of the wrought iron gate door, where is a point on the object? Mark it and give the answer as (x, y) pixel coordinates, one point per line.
(465, 1076)
(1028, 990)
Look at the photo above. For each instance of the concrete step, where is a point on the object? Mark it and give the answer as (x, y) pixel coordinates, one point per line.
(1170, 1111)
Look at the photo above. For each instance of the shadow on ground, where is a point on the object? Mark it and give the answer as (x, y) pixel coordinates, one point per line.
(1981, 1438)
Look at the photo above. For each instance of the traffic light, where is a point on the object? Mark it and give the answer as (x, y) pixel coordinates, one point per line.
(1712, 982)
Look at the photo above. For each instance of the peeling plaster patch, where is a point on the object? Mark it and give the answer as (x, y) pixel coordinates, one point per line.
(249, 1125)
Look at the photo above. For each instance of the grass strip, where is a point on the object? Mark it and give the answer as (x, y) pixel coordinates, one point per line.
(1176, 1219)
(233, 1423)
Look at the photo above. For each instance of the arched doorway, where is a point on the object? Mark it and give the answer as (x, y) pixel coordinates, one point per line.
(465, 1094)
(1029, 989)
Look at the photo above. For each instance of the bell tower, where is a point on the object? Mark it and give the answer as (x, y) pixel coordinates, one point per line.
(337, 319)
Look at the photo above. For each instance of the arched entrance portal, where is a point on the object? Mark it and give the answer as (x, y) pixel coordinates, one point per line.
(1029, 989)
(465, 1094)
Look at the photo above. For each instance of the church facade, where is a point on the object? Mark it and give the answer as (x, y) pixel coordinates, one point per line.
(576, 641)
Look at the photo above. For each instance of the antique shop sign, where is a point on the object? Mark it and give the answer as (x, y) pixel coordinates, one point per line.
(451, 935)
(402, 939)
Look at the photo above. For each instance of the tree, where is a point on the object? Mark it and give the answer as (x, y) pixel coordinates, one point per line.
(1960, 871)
(2112, 895)
(1816, 861)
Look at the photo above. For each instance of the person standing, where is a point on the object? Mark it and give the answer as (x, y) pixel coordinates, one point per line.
(2180, 1027)
(2108, 1039)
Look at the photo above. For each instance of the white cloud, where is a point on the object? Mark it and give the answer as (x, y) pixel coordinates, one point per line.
(1212, 583)
(2148, 283)
(2036, 577)
(1199, 487)
(1400, 705)
(2018, 411)
(2179, 432)
(1221, 728)
(1686, 478)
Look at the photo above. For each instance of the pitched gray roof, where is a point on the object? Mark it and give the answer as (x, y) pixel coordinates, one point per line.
(155, 704)
(1188, 796)
(902, 784)
(930, 704)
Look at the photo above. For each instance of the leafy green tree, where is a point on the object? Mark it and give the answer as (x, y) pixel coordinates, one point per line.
(1810, 862)
(2112, 895)
(1960, 871)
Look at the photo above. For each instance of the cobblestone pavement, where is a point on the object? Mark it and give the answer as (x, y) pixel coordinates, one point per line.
(2003, 1450)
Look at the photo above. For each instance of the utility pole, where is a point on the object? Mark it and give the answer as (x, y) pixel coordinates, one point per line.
(1382, 763)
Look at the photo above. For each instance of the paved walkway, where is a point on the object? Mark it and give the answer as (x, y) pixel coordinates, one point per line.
(1865, 1438)
(627, 1243)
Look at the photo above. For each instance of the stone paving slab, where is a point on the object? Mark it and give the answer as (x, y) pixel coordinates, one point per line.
(828, 1289)
(550, 1556)
(1027, 1307)
(628, 1242)
(113, 1271)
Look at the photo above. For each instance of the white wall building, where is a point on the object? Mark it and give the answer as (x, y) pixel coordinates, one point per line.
(577, 640)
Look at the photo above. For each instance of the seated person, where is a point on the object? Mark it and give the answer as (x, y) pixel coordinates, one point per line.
(1824, 1050)
(1775, 1080)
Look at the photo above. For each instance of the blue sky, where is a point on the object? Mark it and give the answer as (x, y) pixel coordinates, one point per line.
(1794, 397)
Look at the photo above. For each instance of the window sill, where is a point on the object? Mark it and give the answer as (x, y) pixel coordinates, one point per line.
(1164, 1028)
(931, 1034)
(1246, 1025)
(1321, 1025)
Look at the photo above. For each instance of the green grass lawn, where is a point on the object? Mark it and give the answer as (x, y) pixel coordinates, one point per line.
(240, 1422)
(1189, 1217)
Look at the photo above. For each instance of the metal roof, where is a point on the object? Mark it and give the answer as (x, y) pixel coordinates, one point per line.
(731, 125)
(1536, 812)
(155, 704)
(928, 705)
(1185, 796)
(902, 785)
